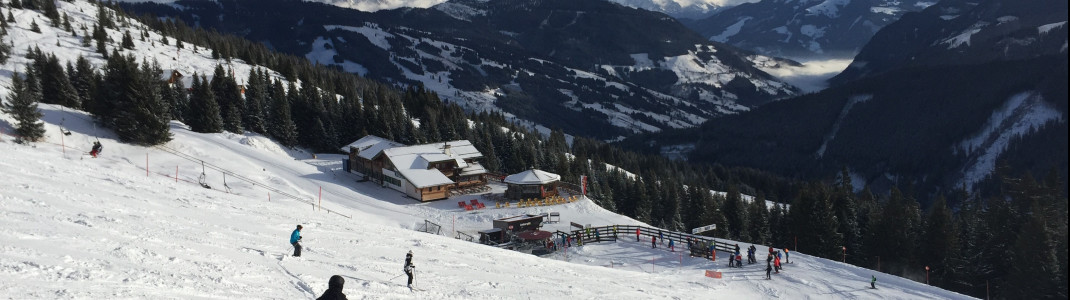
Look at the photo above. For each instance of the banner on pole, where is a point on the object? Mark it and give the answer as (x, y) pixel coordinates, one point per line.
(583, 182)
(704, 229)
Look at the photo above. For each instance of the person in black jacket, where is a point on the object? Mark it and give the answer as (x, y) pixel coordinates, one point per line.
(409, 267)
(334, 289)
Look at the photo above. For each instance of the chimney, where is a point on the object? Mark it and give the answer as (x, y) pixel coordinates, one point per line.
(446, 150)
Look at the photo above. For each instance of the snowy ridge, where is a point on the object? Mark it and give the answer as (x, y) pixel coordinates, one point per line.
(1018, 115)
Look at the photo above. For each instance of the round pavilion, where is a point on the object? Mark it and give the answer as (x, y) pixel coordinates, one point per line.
(531, 184)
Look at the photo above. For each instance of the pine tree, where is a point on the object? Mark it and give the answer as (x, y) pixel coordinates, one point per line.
(280, 125)
(736, 213)
(758, 216)
(938, 242)
(34, 27)
(82, 81)
(51, 12)
(203, 114)
(60, 90)
(16, 4)
(227, 95)
(22, 106)
(846, 213)
(1035, 272)
(128, 41)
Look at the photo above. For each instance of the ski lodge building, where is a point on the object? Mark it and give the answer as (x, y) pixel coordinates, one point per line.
(424, 172)
(531, 184)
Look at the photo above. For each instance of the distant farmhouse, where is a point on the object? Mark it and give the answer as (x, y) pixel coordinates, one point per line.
(424, 172)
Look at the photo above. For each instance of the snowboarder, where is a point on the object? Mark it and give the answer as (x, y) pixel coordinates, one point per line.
(409, 267)
(334, 289)
(873, 282)
(295, 239)
(97, 147)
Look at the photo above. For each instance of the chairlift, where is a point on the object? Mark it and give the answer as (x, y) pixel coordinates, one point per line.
(201, 178)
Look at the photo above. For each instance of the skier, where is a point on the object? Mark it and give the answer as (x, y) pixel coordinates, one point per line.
(672, 248)
(409, 267)
(97, 147)
(750, 255)
(731, 262)
(768, 270)
(637, 234)
(653, 242)
(334, 289)
(295, 238)
(787, 256)
(739, 260)
(873, 282)
(661, 236)
(737, 249)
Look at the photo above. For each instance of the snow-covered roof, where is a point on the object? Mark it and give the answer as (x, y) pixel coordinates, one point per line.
(371, 145)
(413, 161)
(532, 176)
(473, 169)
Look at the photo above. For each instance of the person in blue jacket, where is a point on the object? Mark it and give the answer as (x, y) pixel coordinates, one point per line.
(295, 239)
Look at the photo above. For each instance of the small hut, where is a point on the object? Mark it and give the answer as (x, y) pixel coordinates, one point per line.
(531, 184)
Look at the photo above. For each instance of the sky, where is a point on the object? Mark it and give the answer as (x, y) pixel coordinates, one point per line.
(135, 224)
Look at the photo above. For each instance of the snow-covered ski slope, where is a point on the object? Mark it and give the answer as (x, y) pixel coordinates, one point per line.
(74, 227)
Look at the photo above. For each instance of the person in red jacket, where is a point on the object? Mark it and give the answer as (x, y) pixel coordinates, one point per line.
(637, 234)
(776, 263)
(653, 241)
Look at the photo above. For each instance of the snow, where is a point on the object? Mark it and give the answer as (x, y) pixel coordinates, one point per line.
(893, 11)
(812, 31)
(731, 30)
(1021, 113)
(963, 38)
(324, 56)
(374, 34)
(828, 8)
(1044, 29)
(87, 228)
(134, 224)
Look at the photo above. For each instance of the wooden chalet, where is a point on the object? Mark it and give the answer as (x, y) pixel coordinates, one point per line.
(424, 172)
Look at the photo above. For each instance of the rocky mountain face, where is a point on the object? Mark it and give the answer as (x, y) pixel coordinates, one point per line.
(804, 29)
(589, 67)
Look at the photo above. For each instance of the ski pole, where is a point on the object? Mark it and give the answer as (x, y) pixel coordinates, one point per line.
(395, 277)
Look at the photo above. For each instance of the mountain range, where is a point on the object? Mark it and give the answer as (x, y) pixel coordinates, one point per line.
(939, 100)
(590, 68)
(803, 29)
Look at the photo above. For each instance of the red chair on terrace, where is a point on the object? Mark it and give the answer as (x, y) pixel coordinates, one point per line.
(474, 202)
(460, 204)
(467, 207)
